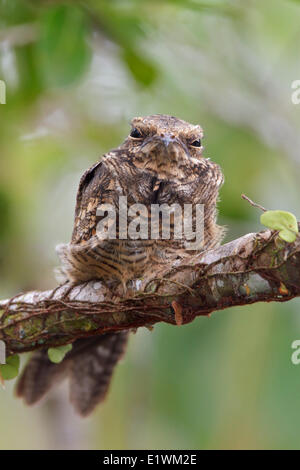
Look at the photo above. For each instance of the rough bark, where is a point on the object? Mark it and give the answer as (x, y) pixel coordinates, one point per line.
(256, 267)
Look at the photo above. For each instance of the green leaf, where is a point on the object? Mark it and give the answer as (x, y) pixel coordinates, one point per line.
(62, 48)
(56, 355)
(283, 221)
(31, 82)
(10, 370)
(141, 68)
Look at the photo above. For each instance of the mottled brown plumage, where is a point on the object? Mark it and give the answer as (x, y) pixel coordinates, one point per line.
(160, 162)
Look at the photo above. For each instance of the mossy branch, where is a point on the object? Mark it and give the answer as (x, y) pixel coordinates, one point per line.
(256, 267)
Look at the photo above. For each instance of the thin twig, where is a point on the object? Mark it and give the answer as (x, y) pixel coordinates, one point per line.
(254, 204)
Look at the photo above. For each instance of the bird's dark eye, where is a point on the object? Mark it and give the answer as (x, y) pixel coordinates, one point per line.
(135, 133)
(196, 143)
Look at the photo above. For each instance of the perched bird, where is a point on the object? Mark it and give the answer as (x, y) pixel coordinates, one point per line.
(159, 163)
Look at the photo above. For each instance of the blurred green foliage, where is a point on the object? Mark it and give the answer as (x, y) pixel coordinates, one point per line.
(76, 73)
(63, 53)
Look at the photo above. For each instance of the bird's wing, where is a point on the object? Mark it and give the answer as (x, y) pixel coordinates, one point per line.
(96, 187)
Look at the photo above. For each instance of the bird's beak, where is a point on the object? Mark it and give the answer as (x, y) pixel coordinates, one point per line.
(167, 140)
(163, 146)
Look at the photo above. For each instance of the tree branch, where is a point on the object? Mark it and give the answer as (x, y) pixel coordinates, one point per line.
(256, 267)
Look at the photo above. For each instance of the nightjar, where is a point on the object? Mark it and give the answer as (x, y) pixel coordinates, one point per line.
(160, 164)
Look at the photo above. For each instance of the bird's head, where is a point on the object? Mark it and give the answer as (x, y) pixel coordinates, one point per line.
(162, 143)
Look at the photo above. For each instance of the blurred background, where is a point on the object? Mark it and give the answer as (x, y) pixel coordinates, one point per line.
(76, 73)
